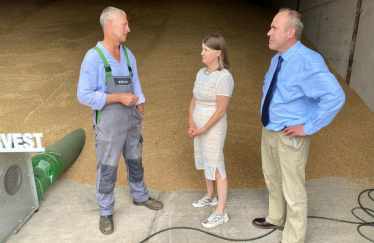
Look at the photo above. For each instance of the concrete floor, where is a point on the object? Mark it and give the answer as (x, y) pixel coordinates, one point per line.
(70, 214)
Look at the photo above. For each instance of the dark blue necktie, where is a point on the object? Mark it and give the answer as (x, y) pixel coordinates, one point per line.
(269, 94)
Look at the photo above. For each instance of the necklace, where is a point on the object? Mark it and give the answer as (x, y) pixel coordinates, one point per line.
(206, 72)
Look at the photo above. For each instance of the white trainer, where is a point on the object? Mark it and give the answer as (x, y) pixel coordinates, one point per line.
(205, 201)
(215, 219)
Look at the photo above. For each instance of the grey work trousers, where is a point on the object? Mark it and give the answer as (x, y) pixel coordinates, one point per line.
(118, 131)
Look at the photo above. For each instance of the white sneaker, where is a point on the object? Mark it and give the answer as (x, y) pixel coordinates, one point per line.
(215, 219)
(205, 201)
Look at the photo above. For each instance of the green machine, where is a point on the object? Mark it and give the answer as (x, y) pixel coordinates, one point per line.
(56, 159)
(24, 179)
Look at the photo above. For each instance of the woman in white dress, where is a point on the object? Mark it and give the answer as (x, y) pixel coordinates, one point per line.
(208, 124)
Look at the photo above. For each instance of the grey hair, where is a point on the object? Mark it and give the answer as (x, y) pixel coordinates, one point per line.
(108, 13)
(294, 21)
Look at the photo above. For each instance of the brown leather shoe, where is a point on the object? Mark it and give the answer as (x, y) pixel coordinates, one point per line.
(263, 224)
(151, 203)
(106, 224)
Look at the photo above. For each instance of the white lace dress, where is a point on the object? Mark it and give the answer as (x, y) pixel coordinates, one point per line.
(208, 148)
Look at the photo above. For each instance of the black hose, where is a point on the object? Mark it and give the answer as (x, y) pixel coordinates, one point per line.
(363, 223)
(208, 233)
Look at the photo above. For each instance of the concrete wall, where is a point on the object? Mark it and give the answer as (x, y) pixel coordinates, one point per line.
(362, 78)
(329, 26)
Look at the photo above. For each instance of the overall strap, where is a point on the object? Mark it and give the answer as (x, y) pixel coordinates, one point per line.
(108, 72)
(128, 61)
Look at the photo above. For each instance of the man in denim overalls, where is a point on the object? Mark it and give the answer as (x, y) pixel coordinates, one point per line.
(109, 84)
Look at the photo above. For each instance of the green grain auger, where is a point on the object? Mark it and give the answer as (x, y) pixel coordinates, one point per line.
(56, 159)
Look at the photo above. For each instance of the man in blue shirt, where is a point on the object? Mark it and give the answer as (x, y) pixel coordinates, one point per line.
(109, 84)
(301, 96)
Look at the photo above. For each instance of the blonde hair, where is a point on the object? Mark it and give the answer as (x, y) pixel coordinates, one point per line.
(218, 43)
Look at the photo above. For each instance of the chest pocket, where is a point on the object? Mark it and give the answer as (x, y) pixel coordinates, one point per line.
(119, 84)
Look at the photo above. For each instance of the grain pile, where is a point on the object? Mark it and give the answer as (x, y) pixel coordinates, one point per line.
(44, 42)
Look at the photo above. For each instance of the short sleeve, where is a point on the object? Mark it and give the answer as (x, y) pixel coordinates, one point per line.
(225, 85)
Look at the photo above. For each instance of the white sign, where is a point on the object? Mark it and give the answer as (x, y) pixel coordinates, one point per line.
(18, 142)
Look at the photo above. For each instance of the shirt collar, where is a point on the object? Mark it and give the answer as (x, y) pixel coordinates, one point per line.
(106, 51)
(101, 46)
(291, 51)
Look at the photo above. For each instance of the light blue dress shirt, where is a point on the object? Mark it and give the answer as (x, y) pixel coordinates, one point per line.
(91, 85)
(306, 92)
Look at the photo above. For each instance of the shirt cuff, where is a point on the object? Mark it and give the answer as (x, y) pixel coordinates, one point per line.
(101, 101)
(309, 129)
(141, 99)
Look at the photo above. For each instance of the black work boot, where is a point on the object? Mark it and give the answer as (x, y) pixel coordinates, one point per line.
(106, 224)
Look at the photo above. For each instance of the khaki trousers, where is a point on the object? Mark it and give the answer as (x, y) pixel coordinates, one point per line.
(283, 166)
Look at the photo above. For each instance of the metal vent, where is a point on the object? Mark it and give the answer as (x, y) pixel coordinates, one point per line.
(13, 179)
